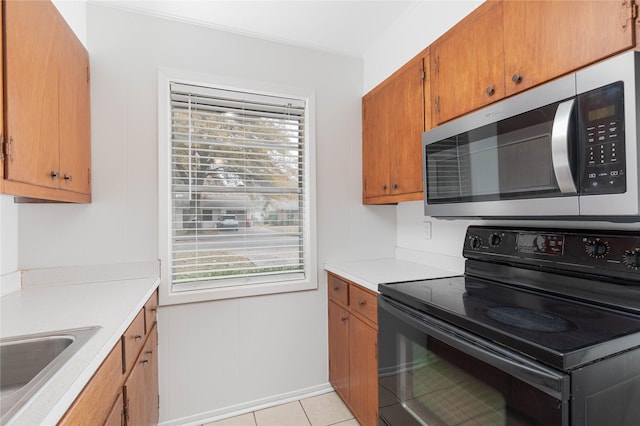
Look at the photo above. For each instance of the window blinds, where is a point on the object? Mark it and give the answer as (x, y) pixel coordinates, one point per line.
(237, 187)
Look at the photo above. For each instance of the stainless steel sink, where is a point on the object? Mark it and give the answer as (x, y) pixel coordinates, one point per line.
(28, 362)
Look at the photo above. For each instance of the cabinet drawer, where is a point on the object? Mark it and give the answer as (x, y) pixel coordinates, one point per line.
(132, 341)
(150, 312)
(364, 303)
(338, 290)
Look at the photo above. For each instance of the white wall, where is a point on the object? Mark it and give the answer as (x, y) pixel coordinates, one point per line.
(229, 355)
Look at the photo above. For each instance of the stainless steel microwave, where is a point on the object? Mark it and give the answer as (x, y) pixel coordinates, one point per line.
(563, 149)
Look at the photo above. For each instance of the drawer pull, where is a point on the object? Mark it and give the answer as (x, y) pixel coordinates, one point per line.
(144, 361)
(362, 303)
(344, 319)
(336, 288)
(137, 337)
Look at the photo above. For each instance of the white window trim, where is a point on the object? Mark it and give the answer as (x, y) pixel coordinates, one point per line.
(310, 282)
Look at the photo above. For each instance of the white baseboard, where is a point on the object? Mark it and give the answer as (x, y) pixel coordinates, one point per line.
(248, 407)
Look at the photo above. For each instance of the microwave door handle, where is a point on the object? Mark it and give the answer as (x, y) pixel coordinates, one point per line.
(560, 147)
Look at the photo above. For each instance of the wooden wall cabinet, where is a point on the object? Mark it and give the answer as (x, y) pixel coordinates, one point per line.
(546, 39)
(505, 47)
(46, 148)
(467, 64)
(124, 390)
(353, 347)
(393, 120)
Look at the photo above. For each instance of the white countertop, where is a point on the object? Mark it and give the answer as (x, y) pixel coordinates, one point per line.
(370, 273)
(112, 305)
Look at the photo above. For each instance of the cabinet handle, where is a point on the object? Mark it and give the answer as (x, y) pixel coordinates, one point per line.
(68, 178)
(55, 175)
(344, 319)
(144, 361)
(336, 288)
(362, 303)
(490, 91)
(516, 78)
(384, 187)
(137, 337)
(153, 309)
(395, 186)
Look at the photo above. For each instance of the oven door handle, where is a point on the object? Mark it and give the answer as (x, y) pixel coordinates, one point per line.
(549, 381)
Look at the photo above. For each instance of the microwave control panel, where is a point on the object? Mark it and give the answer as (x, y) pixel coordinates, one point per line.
(601, 133)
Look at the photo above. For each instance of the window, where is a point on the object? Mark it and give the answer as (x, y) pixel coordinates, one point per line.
(238, 198)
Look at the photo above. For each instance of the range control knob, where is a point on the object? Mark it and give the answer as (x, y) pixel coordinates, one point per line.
(631, 258)
(495, 240)
(597, 248)
(475, 242)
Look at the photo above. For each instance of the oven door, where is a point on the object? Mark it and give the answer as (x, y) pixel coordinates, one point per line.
(431, 373)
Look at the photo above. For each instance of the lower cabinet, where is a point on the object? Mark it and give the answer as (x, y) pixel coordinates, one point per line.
(353, 347)
(124, 390)
(141, 388)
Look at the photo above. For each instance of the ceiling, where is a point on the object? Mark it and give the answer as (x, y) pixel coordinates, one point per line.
(347, 27)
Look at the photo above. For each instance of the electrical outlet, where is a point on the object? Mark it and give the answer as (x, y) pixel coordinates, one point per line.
(427, 230)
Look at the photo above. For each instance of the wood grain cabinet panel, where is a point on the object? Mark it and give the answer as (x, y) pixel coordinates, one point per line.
(467, 64)
(46, 105)
(97, 399)
(353, 350)
(393, 120)
(132, 341)
(339, 349)
(338, 290)
(546, 39)
(364, 303)
(141, 387)
(116, 415)
(150, 312)
(363, 372)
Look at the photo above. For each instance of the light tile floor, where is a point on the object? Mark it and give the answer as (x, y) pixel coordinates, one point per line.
(322, 410)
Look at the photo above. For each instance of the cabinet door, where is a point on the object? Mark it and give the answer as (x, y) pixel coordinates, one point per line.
(339, 349)
(141, 387)
(95, 402)
(375, 146)
(467, 65)
(116, 415)
(364, 372)
(74, 113)
(403, 98)
(32, 34)
(546, 39)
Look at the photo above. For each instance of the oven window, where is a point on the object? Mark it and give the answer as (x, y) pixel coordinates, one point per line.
(423, 381)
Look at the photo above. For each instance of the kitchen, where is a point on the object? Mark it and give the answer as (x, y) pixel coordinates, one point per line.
(245, 363)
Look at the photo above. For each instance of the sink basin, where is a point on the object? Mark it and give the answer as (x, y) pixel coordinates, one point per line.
(28, 362)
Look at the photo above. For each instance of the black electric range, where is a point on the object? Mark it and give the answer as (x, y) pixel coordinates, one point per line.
(542, 329)
(565, 298)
